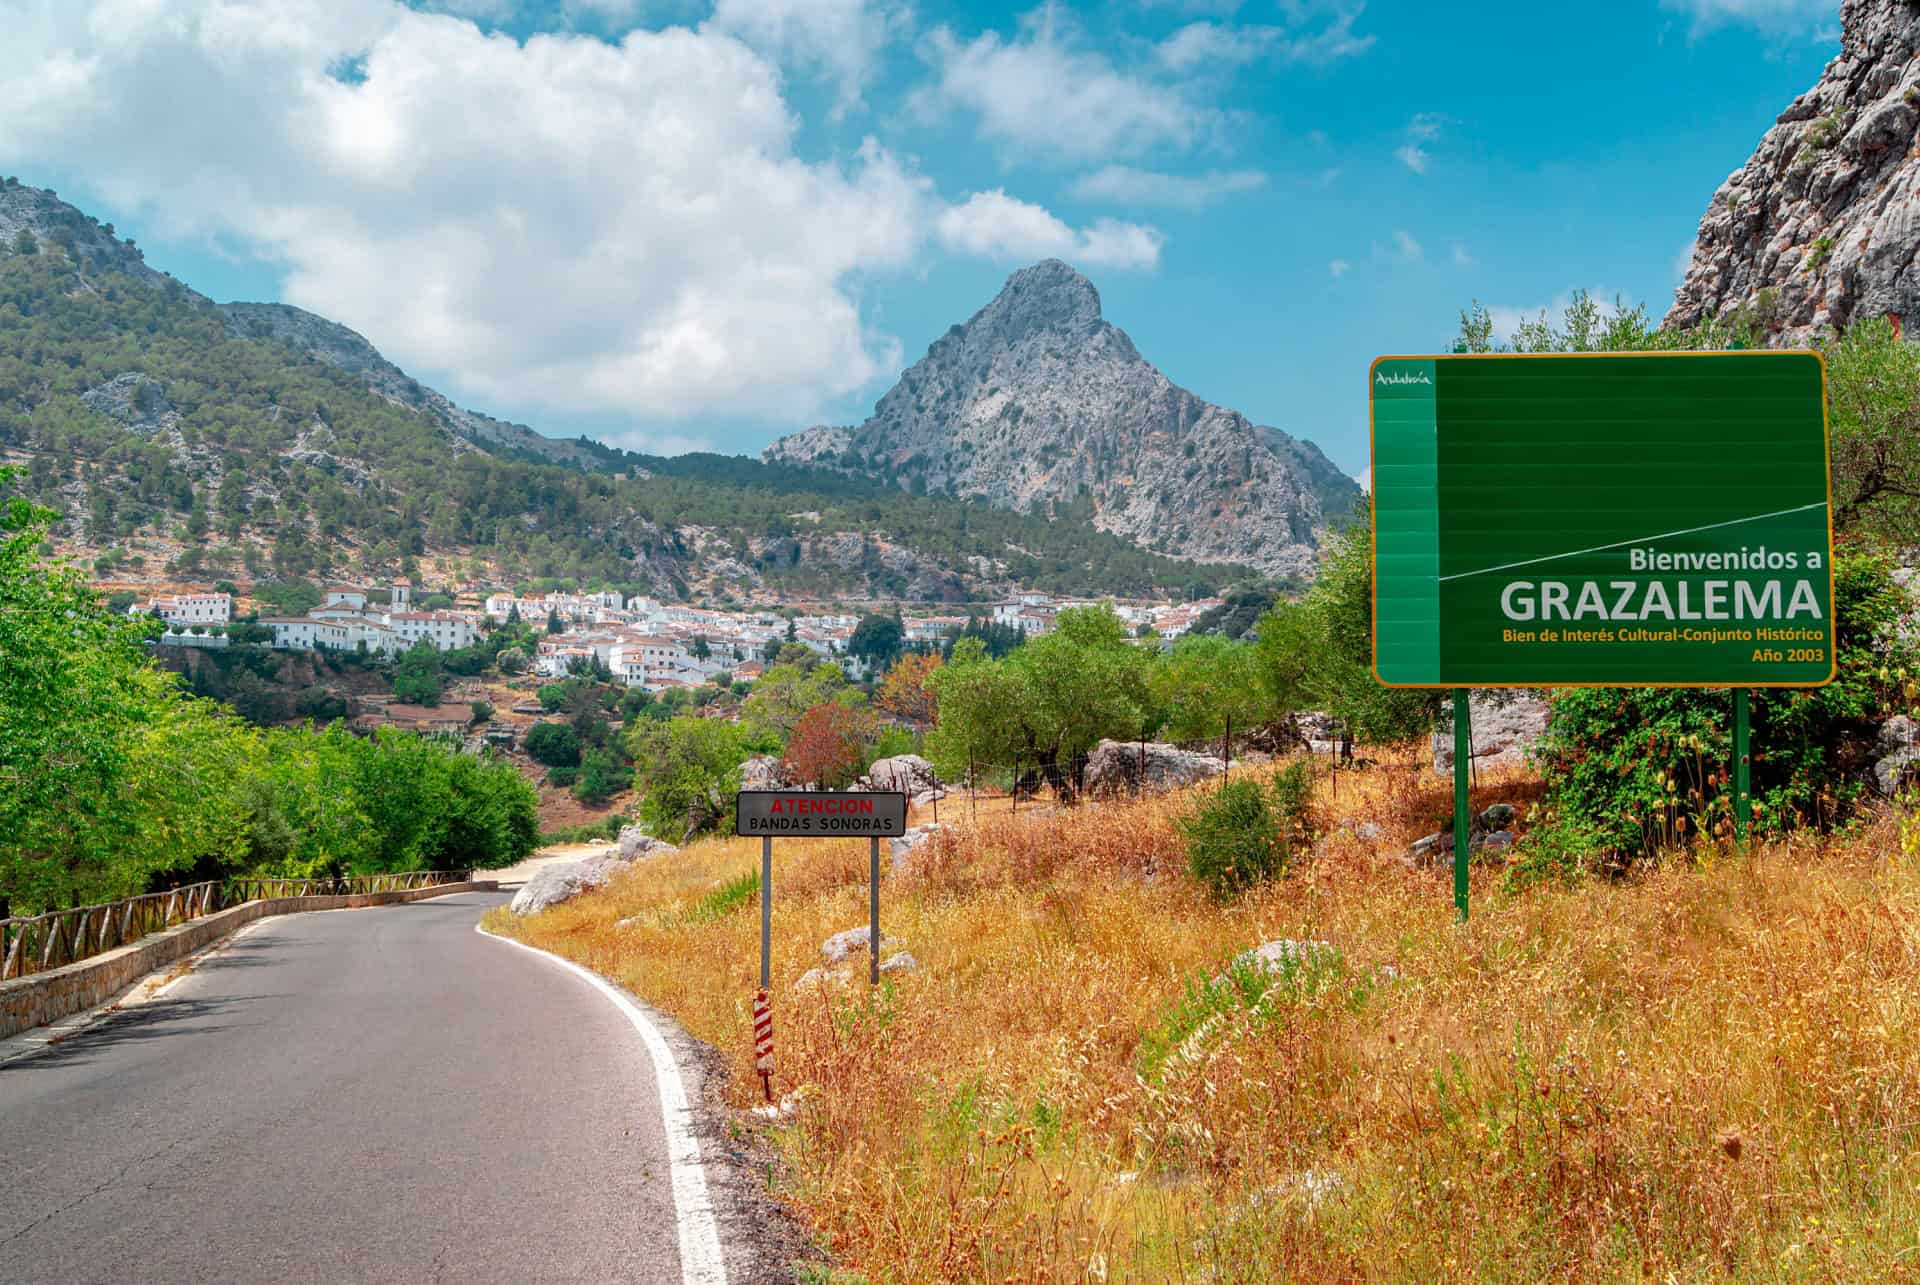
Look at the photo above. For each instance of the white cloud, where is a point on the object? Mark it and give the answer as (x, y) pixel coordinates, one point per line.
(1461, 257)
(1183, 191)
(1203, 42)
(1421, 130)
(1410, 249)
(1339, 268)
(997, 226)
(1047, 89)
(1044, 91)
(1365, 478)
(1813, 18)
(567, 223)
(840, 40)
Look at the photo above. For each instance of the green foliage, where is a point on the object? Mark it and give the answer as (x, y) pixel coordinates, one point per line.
(1631, 771)
(602, 775)
(288, 597)
(1873, 394)
(563, 778)
(554, 744)
(688, 770)
(416, 675)
(877, 640)
(1317, 653)
(783, 696)
(1247, 832)
(1204, 683)
(1246, 985)
(727, 898)
(480, 711)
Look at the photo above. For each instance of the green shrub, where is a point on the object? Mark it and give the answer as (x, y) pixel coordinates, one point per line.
(1632, 771)
(1245, 832)
(561, 778)
(553, 744)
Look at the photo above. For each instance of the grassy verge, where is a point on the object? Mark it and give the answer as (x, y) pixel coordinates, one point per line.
(1709, 1070)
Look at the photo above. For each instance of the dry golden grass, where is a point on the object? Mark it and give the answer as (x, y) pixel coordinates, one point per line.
(1709, 1071)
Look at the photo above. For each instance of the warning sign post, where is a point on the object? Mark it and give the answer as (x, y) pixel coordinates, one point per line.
(813, 814)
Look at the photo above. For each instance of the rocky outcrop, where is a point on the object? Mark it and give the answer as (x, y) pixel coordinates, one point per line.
(764, 772)
(900, 851)
(1116, 768)
(1038, 400)
(1503, 724)
(1821, 227)
(1896, 755)
(563, 881)
(636, 844)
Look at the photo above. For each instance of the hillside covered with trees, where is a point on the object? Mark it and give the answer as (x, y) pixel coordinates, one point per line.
(140, 409)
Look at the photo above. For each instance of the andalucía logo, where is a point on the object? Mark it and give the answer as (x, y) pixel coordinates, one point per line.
(1402, 377)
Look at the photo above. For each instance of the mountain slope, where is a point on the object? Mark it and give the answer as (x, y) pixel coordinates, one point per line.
(1821, 227)
(257, 439)
(1037, 404)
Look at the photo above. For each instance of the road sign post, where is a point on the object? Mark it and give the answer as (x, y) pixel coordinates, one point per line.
(1742, 763)
(814, 814)
(1601, 520)
(1462, 797)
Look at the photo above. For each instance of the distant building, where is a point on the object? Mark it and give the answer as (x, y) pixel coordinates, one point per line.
(189, 608)
(345, 622)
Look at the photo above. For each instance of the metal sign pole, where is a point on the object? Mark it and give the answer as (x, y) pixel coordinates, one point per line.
(873, 912)
(766, 912)
(1462, 800)
(1742, 765)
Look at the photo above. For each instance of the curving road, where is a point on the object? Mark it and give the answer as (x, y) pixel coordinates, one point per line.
(376, 1094)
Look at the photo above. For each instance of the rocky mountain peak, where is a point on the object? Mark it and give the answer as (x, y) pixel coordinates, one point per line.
(1820, 228)
(1037, 403)
(1049, 297)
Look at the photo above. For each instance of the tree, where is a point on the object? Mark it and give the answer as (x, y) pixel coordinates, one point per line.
(416, 675)
(826, 745)
(554, 624)
(553, 744)
(877, 639)
(978, 699)
(1081, 683)
(602, 775)
(687, 769)
(481, 711)
(511, 660)
(1873, 390)
(1206, 683)
(905, 693)
(698, 648)
(784, 694)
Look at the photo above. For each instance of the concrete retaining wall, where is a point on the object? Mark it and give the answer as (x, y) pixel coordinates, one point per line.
(26, 1002)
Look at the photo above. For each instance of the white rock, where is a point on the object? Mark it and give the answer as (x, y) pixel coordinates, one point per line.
(906, 773)
(842, 944)
(1277, 956)
(901, 963)
(564, 881)
(1504, 726)
(1114, 768)
(636, 843)
(901, 849)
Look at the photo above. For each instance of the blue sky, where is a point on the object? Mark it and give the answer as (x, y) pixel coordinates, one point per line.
(702, 225)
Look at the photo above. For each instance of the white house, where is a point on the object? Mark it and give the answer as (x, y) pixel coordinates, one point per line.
(189, 608)
(446, 630)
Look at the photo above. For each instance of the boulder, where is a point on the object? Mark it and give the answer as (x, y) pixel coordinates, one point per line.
(636, 843)
(844, 944)
(764, 772)
(563, 881)
(905, 773)
(1497, 816)
(901, 963)
(1114, 768)
(902, 849)
(1504, 726)
(1896, 757)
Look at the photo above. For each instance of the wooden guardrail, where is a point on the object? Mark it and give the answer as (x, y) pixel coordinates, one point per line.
(35, 943)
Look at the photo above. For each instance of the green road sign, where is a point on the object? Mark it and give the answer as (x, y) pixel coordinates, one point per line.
(1601, 519)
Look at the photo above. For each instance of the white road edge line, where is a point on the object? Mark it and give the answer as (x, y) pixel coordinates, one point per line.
(701, 1262)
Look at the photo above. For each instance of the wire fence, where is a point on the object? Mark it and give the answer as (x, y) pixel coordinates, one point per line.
(35, 943)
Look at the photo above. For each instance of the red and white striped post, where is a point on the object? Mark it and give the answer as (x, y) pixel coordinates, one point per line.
(763, 1041)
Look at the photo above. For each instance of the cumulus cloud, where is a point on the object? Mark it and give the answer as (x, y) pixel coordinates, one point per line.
(997, 226)
(1198, 43)
(1507, 321)
(1462, 257)
(1131, 186)
(566, 223)
(1408, 248)
(1044, 90)
(839, 40)
(1339, 268)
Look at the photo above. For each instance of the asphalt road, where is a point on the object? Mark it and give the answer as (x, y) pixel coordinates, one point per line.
(377, 1094)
